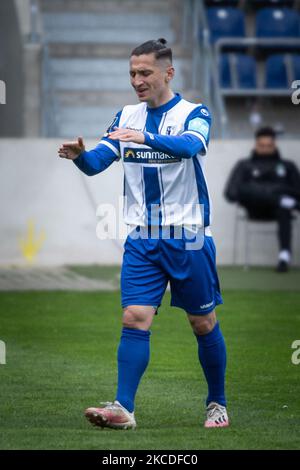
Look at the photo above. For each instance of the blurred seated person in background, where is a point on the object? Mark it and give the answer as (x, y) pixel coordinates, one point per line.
(268, 187)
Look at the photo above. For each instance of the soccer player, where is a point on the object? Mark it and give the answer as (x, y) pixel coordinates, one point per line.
(162, 142)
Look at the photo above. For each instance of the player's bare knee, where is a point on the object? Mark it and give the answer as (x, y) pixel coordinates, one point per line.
(203, 324)
(137, 316)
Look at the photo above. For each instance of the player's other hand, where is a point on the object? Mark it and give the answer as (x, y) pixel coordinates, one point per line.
(71, 150)
(127, 135)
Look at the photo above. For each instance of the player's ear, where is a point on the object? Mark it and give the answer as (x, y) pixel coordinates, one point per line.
(170, 71)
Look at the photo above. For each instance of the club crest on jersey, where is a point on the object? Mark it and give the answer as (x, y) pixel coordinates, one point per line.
(169, 130)
(147, 155)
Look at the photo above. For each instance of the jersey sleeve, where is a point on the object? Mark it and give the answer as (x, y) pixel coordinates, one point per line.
(103, 155)
(198, 124)
(113, 145)
(183, 146)
(193, 139)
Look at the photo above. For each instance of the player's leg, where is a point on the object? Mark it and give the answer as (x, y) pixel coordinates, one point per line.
(143, 284)
(212, 357)
(133, 358)
(133, 352)
(195, 288)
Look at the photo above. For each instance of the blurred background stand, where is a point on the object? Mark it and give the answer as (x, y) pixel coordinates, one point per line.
(264, 232)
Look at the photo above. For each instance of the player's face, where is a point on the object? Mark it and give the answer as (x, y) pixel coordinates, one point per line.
(150, 77)
(265, 146)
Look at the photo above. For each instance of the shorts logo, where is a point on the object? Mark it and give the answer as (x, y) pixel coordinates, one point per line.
(207, 305)
(146, 155)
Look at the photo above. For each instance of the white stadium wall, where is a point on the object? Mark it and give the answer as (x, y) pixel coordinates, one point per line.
(48, 207)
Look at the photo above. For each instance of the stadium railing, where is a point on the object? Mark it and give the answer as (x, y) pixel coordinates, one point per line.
(222, 93)
(48, 101)
(35, 24)
(204, 70)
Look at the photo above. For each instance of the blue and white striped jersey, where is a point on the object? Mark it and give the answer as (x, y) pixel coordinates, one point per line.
(164, 182)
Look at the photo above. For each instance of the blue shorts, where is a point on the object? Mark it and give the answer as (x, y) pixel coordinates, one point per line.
(149, 263)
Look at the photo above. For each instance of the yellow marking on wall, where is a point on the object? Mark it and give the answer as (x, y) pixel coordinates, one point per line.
(32, 242)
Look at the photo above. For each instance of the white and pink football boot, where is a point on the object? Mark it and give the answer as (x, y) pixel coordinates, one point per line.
(112, 415)
(216, 416)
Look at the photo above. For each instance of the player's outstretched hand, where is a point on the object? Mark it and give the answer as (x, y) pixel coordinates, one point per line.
(127, 135)
(71, 150)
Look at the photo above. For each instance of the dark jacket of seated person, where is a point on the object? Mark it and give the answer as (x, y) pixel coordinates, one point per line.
(267, 186)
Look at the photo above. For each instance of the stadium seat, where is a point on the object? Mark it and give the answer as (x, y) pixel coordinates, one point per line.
(224, 71)
(277, 23)
(271, 3)
(281, 70)
(225, 22)
(221, 3)
(237, 71)
(276, 76)
(296, 66)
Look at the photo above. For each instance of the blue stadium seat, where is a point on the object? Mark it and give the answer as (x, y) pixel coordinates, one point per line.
(296, 66)
(221, 3)
(237, 71)
(277, 23)
(271, 3)
(276, 73)
(225, 22)
(281, 70)
(224, 72)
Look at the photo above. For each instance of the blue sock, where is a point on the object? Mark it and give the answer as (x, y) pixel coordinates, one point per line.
(133, 358)
(212, 357)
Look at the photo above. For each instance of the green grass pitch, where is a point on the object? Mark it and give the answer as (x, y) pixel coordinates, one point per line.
(61, 358)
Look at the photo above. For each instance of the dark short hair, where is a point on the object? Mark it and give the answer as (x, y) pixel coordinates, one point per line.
(157, 47)
(265, 132)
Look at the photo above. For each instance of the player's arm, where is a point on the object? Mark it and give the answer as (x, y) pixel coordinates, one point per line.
(96, 160)
(89, 162)
(185, 145)
(194, 138)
